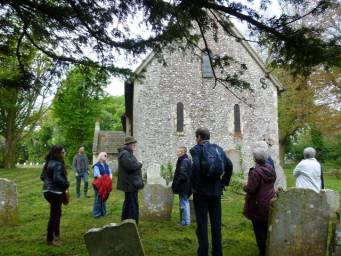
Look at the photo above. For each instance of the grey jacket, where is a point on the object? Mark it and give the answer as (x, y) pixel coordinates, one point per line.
(80, 163)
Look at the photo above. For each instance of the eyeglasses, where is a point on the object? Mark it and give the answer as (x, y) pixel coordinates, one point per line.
(105, 155)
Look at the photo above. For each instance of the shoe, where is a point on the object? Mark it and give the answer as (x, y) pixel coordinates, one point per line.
(86, 196)
(56, 238)
(182, 225)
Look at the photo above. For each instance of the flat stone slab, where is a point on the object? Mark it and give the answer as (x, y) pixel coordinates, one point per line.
(298, 224)
(114, 240)
(157, 202)
(8, 202)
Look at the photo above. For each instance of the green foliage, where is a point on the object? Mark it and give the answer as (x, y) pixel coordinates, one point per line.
(237, 183)
(166, 172)
(103, 27)
(112, 111)
(77, 105)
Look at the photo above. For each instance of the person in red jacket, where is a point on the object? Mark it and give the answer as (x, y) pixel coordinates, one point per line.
(102, 185)
(259, 190)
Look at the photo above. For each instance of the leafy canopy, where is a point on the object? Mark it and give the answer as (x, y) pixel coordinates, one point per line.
(66, 30)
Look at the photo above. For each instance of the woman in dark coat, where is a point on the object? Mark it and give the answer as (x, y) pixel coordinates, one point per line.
(259, 192)
(55, 185)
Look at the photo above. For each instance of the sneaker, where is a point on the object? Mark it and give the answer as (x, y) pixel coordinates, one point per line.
(53, 243)
(182, 225)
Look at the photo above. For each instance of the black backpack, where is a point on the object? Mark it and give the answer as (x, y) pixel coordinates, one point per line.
(212, 161)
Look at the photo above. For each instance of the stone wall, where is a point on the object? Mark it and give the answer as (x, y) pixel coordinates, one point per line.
(156, 97)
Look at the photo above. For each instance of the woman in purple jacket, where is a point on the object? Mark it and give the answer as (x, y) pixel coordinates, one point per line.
(259, 192)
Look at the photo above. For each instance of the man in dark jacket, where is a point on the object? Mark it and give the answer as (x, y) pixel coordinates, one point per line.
(207, 195)
(182, 184)
(260, 190)
(129, 179)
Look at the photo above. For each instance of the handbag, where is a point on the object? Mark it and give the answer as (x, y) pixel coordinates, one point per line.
(66, 197)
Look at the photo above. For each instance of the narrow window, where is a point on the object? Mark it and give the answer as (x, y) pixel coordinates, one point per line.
(179, 117)
(237, 130)
(206, 68)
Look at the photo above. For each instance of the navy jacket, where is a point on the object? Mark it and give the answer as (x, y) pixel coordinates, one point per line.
(202, 185)
(54, 177)
(182, 177)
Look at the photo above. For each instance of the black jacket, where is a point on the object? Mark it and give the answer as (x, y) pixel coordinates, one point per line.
(129, 171)
(202, 185)
(182, 176)
(54, 177)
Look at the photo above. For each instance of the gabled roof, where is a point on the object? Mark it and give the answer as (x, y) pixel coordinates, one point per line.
(246, 46)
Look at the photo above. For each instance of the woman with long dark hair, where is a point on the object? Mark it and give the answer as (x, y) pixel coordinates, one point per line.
(55, 185)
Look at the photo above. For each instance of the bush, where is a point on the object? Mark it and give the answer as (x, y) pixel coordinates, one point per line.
(166, 172)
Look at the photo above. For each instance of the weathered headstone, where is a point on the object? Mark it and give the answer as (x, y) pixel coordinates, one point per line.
(153, 175)
(298, 224)
(8, 202)
(335, 241)
(114, 240)
(157, 202)
(234, 156)
(281, 179)
(333, 199)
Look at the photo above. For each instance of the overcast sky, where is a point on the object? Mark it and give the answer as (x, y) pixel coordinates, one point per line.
(116, 87)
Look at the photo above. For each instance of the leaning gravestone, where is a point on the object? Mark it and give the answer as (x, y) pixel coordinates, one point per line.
(157, 202)
(333, 199)
(153, 175)
(298, 224)
(114, 240)
(8, 202)
(234, 156)
(281, 179)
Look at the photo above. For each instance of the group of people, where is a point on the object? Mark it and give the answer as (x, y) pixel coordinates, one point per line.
(205, 176)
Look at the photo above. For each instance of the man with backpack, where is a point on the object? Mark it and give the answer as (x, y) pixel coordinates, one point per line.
(211, 171)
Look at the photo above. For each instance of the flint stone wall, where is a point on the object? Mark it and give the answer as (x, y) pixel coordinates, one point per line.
(156, 97)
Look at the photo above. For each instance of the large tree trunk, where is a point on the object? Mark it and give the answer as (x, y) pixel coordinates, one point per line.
(10, 139)
(9, 157)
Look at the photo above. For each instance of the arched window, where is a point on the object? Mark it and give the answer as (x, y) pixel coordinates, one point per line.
(206, 68)
(236, 111)
(179, 117)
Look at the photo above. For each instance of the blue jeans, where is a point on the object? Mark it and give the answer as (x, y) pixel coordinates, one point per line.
(100, 208)
(84, 176)
(185, 210)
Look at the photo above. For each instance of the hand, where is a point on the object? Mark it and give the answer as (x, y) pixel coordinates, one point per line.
(76, 174)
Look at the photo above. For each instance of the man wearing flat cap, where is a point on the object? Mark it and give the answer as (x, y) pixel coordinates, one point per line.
(129, 179)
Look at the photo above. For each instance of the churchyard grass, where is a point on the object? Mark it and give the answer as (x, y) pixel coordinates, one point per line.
(158, 238)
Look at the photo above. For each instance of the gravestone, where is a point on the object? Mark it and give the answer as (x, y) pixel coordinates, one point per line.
(333, 199)
(157, 202)
(114, 239)
(153, 175)
(8, 202)
(298, 224)
(335, 241)
(281, 179)
(234, 156)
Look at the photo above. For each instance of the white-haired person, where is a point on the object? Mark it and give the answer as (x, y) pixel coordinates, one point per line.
(102, 184)
(260, 189)
(308, 172)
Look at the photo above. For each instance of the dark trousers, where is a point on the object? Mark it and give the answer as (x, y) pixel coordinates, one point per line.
(208, 205)
(130, 208)
(55, 201)
(260, 228)
(82, 176)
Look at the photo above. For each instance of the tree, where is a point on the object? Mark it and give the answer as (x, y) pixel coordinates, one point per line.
(77, 105)
(63, 29)
(21, 109)
(112, 111)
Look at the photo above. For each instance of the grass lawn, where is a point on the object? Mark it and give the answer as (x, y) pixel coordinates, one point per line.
(158, 238)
